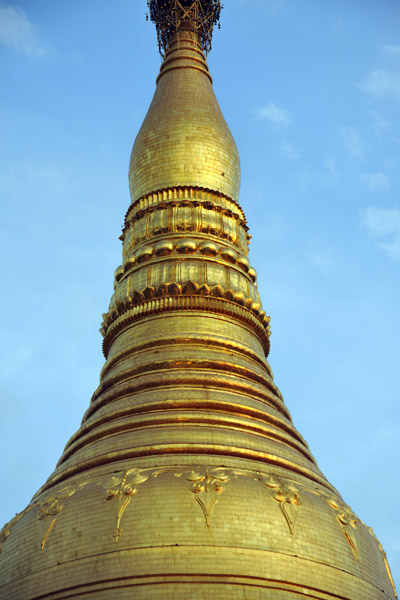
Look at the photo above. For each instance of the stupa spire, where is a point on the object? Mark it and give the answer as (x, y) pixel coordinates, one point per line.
(187, 477)
(184, 140)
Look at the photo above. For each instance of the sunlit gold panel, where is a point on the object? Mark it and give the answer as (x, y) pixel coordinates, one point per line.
(184, 139)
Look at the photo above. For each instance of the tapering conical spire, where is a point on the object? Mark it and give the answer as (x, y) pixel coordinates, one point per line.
(187, 478)
(184, 139)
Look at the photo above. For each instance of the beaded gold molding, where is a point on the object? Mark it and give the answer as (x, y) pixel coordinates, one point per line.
(190, 296)
(204, 196)
(185, 246)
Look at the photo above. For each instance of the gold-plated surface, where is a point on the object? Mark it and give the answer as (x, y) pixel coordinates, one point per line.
(184, 139)
(187, 478)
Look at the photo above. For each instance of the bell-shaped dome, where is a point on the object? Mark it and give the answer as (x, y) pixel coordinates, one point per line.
(184, 139)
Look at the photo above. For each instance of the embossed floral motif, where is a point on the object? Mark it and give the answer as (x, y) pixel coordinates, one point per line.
(206, 484)
(385, 560)
(288, 497)
(348, 521)
(120, 490)
(51, 507)
(6, 530)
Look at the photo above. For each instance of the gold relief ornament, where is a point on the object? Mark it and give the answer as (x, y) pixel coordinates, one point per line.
(6, 530)
(206, 485)
(187, 215)
(49, 509)
(120, 305)
(348, 521)
(120, 491)
(385, 560)
(288, 497)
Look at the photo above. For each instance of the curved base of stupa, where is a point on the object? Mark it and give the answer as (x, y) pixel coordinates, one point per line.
(191, 531)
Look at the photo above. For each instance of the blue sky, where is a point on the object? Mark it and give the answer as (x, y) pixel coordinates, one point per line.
(311, 91)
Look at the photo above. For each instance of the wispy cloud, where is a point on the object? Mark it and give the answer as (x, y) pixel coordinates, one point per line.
(379, 125)
(330, 164)
(322, 260)
(382, 83)
(393, 50)
(18, 33)
(375, 181)
(275, 114)
(384, 223)
(352, 141)
(290, 151)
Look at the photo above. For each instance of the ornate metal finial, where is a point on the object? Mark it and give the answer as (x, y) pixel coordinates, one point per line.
(197, 15)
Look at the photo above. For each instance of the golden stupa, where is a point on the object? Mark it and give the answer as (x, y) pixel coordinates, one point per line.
(187, 478)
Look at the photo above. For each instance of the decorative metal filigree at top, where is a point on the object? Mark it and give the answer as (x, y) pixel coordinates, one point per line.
(196, 15)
